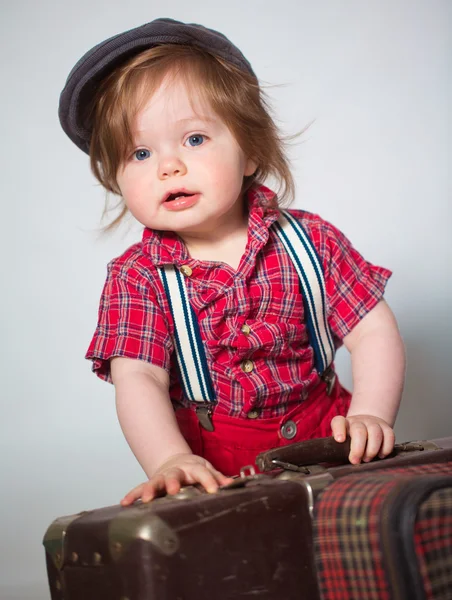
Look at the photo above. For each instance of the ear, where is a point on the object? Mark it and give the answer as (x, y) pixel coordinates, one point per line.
(250, 167)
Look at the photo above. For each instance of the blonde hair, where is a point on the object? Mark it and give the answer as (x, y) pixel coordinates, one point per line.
(235, 96)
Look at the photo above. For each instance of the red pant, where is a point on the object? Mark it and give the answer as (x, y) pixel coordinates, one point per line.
(237, 441)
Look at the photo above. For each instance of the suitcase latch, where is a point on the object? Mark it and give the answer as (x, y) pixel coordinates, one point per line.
(408, 447)
(246, 475)
(305, 469)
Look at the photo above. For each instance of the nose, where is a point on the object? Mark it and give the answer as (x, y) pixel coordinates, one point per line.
(171, 167)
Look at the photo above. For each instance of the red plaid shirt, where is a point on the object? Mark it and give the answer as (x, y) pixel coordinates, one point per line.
(135, 321)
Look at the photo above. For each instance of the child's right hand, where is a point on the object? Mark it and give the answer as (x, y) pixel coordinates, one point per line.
(180, 469)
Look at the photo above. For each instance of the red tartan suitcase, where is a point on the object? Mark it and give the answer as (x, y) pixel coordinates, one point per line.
(386, 535)
(254, 538)
(381, 531)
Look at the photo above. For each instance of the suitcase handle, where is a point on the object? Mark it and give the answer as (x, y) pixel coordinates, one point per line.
(324, 450)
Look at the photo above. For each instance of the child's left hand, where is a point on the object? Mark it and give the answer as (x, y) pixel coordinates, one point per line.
(370, 436)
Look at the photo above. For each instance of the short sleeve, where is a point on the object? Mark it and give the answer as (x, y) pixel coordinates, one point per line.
(353, 285)
(131, 323)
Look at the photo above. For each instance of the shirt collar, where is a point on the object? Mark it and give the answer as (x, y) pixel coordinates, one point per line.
(166, 247)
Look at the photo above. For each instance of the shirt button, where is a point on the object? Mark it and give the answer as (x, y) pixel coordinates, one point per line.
(247, 366)
(246, 329)
(253, 413)
(186, 270)
(289, 430)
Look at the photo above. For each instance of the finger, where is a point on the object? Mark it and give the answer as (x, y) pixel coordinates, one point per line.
(127, 500)
(339, 428)
(222, 479)
(219, 477)
(133, 495)
(206, 478)
(388, 442)
(153, 488)
(358, 434)
(374, 441)
(174, 480)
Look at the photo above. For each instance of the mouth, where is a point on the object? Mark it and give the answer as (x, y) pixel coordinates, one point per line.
(177, 194)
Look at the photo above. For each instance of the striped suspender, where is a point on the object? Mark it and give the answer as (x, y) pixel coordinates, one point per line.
(310, 273)
(190, 353)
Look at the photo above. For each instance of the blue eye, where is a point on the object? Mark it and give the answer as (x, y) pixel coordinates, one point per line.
(196, 140)
(142, 154)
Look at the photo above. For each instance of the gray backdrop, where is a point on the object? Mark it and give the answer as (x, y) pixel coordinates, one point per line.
(375, 76)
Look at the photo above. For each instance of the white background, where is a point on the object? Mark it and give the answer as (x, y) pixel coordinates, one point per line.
(375, 76)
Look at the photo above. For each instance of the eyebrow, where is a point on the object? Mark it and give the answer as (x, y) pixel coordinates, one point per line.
(195, 118)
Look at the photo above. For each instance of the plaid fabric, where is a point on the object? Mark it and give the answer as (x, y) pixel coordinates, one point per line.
(348, 547)
(433, 539)
(134, 318)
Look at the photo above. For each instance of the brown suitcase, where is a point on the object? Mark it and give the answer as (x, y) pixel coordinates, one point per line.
(254, 538)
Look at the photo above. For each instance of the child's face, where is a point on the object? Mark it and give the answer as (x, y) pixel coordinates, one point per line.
(176, 151)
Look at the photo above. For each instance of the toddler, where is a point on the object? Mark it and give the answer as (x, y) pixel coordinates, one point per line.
(218, 329)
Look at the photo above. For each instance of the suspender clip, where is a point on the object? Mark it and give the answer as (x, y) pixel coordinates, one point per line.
(329, 377)
(204, 414)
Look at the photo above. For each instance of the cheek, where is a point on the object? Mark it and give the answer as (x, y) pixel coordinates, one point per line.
(133, 197)
(131, 186)
(223, 166)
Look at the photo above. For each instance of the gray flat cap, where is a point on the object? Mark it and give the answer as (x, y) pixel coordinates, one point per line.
(84, 79)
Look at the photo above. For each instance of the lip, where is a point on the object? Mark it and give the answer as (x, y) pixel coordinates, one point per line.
(182, 203)
(178, 191)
